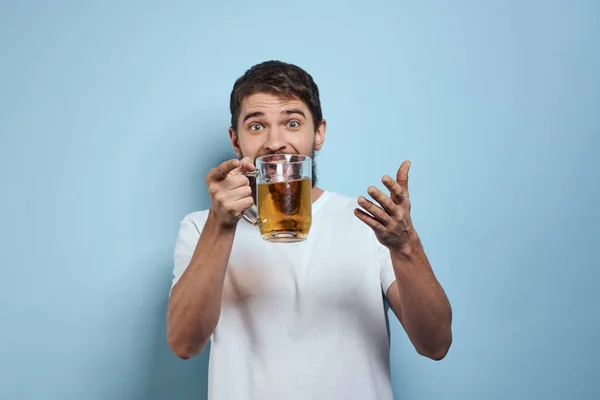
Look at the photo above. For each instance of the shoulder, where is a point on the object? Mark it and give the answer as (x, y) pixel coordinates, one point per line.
(194, 220)
(340, 207)
(334, 200)
(338, 213)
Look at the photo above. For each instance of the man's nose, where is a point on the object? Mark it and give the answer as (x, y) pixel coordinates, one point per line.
(275, 142)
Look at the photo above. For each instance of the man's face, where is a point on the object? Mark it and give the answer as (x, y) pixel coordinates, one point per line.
(269, 124)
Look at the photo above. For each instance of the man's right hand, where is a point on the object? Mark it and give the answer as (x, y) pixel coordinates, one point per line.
(230, 191)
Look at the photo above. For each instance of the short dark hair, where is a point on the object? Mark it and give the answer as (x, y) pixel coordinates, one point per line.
(278, 78)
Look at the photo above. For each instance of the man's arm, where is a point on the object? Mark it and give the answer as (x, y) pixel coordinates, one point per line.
(420, 303)
(195, 304)
(416, 297)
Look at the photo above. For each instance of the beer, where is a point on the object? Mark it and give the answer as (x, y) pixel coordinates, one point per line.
(284, 209)
(283, 193)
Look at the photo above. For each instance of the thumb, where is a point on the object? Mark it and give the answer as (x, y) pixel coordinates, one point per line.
(247, 164)
(402, 175)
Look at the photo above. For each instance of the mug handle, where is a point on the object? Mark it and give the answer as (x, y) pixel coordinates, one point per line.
(253, 221)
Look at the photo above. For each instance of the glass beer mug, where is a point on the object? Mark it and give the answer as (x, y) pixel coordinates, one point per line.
(283, 197)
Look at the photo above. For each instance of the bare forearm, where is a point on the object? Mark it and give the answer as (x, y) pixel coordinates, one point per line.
(195, 304)
(426, 312)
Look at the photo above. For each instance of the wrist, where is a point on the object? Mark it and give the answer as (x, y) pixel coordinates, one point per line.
(408, 249)
(218, 226)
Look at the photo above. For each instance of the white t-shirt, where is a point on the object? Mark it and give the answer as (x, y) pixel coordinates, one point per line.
(304, 320)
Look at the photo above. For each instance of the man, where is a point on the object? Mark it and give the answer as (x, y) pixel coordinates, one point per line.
(303, 320)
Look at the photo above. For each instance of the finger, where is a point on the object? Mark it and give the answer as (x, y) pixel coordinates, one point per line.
(377, 212)
(240, 193)
(386, 203)
(247, 164)
(239, 205)
(235, 181)
(220, 172)
(402, 176)
(396, 192)
(369, 220)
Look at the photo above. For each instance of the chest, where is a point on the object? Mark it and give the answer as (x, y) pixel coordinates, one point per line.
(335, 265)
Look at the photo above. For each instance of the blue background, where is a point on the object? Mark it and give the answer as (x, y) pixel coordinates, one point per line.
(111, 113)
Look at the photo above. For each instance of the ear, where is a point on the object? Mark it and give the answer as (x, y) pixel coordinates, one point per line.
(235, 142)
(320, 136)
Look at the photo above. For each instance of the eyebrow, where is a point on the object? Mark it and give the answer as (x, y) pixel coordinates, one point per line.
(294, 111)
(262, 114)
(252, 115)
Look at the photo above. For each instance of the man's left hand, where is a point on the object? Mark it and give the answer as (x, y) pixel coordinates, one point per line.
(390, 220)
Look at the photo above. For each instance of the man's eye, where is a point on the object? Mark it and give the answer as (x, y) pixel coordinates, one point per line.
(293, 124)
(255, 127)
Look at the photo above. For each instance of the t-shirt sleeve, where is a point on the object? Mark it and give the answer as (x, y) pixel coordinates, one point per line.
(185, 245)
(386, 270)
